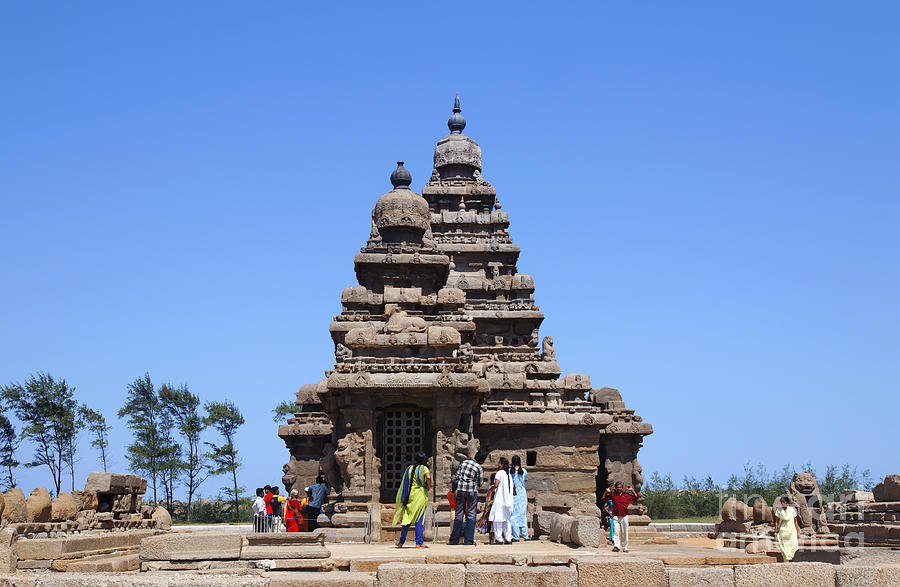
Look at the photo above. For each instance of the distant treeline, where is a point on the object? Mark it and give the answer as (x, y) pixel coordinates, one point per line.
(703, 497)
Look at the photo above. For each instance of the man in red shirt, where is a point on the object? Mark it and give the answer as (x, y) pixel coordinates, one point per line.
(621, 500)
(266, 498)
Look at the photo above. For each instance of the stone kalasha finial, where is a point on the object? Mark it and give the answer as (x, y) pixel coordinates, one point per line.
(400, 178)
(456, 123)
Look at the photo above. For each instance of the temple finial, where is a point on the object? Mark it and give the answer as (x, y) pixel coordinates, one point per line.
(400, 178)
(456, 123)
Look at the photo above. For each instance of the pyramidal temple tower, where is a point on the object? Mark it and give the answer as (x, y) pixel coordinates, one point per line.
(438, 349)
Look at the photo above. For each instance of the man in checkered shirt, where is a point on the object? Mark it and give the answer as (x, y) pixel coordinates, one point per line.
(468, 479)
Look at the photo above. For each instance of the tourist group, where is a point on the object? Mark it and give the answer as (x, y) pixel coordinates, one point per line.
(278, 513)
(504, 515)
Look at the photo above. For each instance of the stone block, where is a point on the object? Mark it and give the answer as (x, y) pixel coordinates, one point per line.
(588, 531)
(554, 501)
(761, 546)
(402, 295)
(126, 503)
(371, 564)
(106, 564)
(516, 576)
(711, 577)
(38, 506)
(63, 508)
(883, 576)
(9, 558)
(549, 559)
(115, 483)
(162, 518)
(260, 552)
(887, 490)
(407, 575)
(734, 510)
(543, 520)
(85, 500)
(561, 528)
(602, 570)
(34, 565)
(442, 336)
(295, 564)
(189, 547)
(361, 336)
(576, 482)
(306, 579)
(856, 496)
(14, 506)
(731, 526)
(356, 294)
(762, 512)
(80, 546)
(785, 575)
(451, 296)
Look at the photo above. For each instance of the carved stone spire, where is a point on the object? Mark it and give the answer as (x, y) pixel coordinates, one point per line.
(456, 123)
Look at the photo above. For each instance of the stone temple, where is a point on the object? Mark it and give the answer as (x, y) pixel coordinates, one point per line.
(438, 349)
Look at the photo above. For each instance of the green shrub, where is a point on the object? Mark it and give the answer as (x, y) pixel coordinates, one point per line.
(703, 498)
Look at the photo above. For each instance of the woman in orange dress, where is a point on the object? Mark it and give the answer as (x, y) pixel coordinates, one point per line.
(292, 517)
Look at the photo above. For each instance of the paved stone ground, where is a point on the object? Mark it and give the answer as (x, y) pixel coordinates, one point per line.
(693, 560)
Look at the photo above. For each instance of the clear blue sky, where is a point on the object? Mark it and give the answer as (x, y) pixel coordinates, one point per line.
(706, 194)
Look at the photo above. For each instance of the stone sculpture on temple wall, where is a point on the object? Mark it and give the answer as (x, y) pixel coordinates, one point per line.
(350, 459)
(548, 353)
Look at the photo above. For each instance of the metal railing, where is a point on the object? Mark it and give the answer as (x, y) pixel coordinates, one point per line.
(368, 527)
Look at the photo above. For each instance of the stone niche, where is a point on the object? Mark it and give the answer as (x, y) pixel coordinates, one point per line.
(438, 348)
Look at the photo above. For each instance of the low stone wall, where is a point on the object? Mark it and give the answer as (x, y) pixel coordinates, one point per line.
(109, 501)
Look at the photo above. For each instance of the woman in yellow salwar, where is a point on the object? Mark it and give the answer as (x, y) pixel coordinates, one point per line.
(412, 499)
(787, 530)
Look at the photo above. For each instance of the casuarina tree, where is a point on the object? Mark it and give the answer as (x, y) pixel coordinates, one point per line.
(183, 408)
(284, 410)
(8, 445)
(48, 412)
(226, 418)
(142, 408)
(99, 429)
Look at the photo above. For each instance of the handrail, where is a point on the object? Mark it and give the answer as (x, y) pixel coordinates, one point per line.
(368, 529)
(434, 524)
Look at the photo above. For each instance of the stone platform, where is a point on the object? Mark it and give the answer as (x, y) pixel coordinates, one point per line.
(536, 563)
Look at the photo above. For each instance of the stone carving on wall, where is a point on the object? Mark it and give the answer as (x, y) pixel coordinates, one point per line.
(400, 321)
(342, 353)
(464, 353)
(350, 459)
(329, 467)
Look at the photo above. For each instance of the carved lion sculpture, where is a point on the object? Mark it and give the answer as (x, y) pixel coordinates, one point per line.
(349, 459)
(548, 353)
(804, 490)
(342, 353)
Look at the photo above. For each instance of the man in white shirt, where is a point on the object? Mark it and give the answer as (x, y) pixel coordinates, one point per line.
(259, 511)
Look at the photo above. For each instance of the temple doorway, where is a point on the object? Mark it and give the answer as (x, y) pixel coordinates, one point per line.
(403, 436)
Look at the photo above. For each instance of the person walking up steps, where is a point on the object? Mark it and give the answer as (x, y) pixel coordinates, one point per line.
(412, 499)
